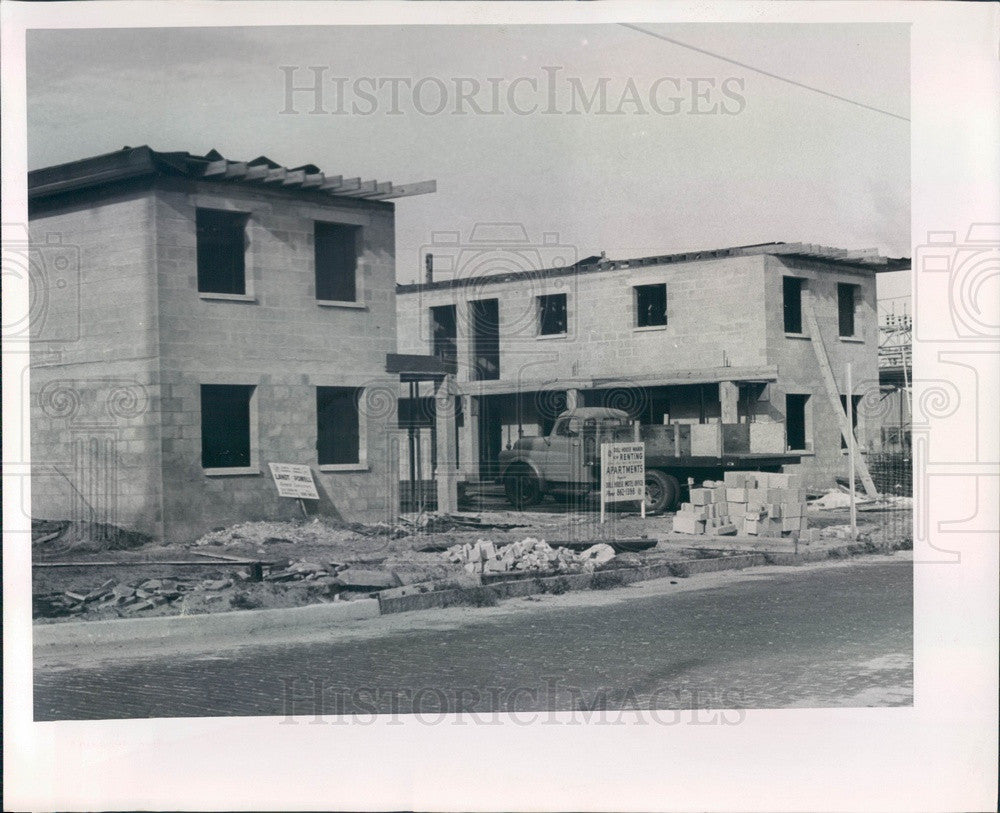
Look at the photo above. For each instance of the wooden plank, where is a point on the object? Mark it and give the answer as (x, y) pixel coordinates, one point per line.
(362, 188)
(296, 177)
(171, 563)
(257, 173)
(313, 180)
(407, 190)
(216, 168)
(236, 169)
(833, 392)
(383, 188)
(344, 185)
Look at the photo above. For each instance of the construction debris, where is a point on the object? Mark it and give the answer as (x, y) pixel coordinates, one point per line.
(63, 536)
(127, 598)
(529, 554)
(440, 523)
(745, 502)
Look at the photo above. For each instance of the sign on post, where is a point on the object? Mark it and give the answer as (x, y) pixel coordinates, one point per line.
(295, 481)
(623, 474)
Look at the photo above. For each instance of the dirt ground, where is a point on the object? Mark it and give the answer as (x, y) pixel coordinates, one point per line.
(308, 562)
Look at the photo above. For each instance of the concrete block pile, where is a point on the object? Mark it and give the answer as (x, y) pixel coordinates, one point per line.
(749, 503)
(529, 554)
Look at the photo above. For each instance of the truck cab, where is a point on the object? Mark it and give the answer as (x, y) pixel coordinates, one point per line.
(566, 462)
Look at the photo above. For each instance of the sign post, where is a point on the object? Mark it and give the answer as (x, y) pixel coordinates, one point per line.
(623, 474)
(295, 482)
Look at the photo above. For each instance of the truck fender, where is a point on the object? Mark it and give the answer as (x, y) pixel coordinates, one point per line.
(527, 462)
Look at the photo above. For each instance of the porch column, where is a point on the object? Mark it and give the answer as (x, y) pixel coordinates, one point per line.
(469, 443)
(446, 474)
(729, 398)
(572, 399)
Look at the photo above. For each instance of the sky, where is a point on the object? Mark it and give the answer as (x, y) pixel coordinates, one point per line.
(688, 151)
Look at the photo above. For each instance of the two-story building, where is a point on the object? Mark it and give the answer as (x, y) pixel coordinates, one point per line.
(710, 337)
(198, 319)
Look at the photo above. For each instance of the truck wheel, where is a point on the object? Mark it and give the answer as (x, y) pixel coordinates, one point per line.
(662, 491)
(522, 487)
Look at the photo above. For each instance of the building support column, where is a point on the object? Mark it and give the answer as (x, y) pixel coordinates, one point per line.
(446, 474)
(469, 442)
(573, 399)
(729, 399)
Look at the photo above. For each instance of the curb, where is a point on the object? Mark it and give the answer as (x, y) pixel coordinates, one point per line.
(170, 628)
(527, 586)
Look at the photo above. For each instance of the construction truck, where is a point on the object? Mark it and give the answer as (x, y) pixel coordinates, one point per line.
(566, 463)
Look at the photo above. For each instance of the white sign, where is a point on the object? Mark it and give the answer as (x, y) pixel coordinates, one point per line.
(293, 480)
(623, 474)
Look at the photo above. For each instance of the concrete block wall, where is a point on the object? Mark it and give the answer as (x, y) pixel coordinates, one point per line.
(798, 370)
(115, 417)
(282, 342)
(94, 389)
(285, 432)
(714, 316)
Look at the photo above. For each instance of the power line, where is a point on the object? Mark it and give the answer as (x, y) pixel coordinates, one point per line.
(761, 71)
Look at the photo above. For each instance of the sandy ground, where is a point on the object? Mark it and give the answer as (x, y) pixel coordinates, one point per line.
(83, 655)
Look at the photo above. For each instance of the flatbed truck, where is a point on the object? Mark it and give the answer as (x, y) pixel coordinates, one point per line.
(566, 463)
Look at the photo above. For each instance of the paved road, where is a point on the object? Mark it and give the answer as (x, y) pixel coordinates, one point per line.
(825, 637)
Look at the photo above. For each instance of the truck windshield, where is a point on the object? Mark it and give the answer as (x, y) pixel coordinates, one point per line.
(612, 423)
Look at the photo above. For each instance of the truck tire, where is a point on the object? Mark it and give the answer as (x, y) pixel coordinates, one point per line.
(521, 486)
(662, 491)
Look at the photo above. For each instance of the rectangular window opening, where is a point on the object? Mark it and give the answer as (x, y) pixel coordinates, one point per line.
(221, 237)
(485, 339)
(336, 249)
(225, 426)
(444, 335)
(650, 305)
(338, 425)
(552, 314)
(855, 402)
(795, 421)
(847, 302)
(792, 298)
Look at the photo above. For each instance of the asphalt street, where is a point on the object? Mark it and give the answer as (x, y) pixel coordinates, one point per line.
(825, 637)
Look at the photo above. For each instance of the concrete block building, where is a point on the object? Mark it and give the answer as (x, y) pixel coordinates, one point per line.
(212, 317)
(712, 340)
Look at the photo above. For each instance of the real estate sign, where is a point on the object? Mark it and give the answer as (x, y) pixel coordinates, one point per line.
(294, 480)
(623, 474)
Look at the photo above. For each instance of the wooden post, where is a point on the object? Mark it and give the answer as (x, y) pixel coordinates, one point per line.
(850, 449)
(830, 385)
(600, 463)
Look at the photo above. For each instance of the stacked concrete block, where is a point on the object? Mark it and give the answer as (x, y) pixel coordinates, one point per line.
(745, 502)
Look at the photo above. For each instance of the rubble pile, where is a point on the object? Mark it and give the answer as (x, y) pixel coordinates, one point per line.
(321, 531)
(752, 503)
(63, 536)
(529, 554)
(144, 594)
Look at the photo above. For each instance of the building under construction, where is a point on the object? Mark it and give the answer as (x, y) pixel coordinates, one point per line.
(745, 349)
